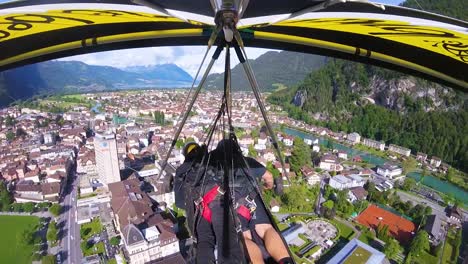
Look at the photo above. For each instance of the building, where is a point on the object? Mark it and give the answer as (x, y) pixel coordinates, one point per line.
(354, 138)
(455, 214)
(147, 235)
(432, 227)
(422, 157)
(341, 182)
(330, 163)
(389, 170)
(357, 252)
(374, 144)
(342, 154)
(357, 194)
(400, 150)
(292, 233)
(435, 161)
(49, 138)
(107, 162)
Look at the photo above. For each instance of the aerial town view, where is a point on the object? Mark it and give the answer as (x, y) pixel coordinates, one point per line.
(322, 150)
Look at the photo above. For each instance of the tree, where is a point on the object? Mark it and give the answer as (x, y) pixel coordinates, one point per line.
(20, 132)
(450, 174)
(84, 232)
(55, 209)
(437, 251)
(252, 152)
(28, 207)
(5, 197)
(52, 231)
(408, 184)
(391, 249)
(409, 165)
(115, 241)
(419, 244)
(48, 259)
(300, 155)
(10, 135)
(10, 121)
(329, 204)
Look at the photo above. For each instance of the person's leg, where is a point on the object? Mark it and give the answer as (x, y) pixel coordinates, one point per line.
(273, 242)
(205, 243)
(255, 254)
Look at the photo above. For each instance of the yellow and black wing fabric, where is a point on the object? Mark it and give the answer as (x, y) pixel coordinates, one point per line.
(407, 40)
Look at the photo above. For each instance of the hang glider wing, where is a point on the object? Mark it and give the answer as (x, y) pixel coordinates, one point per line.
(416, 42)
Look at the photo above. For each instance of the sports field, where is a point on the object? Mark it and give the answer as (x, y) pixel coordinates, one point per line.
(398, 227)
(12, 250)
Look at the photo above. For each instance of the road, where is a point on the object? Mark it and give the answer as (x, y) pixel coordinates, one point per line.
(436, 209)
(70, 243)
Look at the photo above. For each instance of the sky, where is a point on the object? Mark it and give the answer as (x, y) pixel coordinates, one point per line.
(186, 57)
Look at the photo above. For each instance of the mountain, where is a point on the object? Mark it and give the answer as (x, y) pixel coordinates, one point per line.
(451, 8)
(272, 70)
(54, 77)
(161, 72)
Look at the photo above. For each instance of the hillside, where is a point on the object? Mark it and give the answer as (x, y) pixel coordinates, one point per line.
(383, 105)
(451, 8)
(272, 70)
(74, 76)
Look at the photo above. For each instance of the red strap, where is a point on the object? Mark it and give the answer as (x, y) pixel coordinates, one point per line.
(244, 212)
(207, 199)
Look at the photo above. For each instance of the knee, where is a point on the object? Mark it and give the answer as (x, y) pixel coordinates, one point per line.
(262, 229)
(247, 235)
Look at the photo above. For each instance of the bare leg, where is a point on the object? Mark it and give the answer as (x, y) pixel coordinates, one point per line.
(254, 251)
(273, 242)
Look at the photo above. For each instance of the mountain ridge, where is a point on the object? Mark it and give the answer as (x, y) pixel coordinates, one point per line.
(78, 77)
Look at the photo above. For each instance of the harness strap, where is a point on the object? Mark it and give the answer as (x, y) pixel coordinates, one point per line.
(244, 212)
(207, 199)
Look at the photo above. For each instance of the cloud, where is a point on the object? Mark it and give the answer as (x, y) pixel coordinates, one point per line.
(186, 57)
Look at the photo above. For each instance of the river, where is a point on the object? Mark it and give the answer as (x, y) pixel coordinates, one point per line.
(430, 181)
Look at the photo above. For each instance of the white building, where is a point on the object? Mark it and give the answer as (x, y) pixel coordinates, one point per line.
(374, 144)
(435, 161)
(389, 170)
(343, 154)
(341, 182)
(400, 150)
(107, 162)
(330, 163)
(354, 137)
(316, 148)
(288, 141)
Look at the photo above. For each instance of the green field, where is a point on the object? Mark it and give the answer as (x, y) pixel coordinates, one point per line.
(345, 231)
(359, 255)
(11, 250)
(448, 249)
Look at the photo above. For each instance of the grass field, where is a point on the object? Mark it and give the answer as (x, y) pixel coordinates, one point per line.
(448, 249)
(95, 249)
(11, 250)
(345, 231)
(92, 228)
(426, 258)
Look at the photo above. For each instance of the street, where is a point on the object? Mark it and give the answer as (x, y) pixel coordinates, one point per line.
(70, 238)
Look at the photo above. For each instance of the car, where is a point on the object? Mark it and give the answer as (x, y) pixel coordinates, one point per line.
(58, 258)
